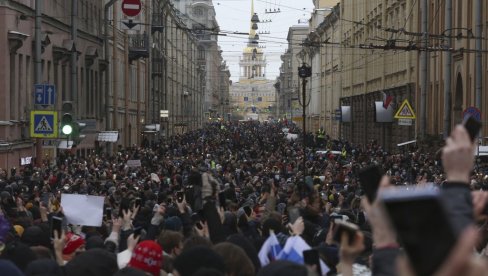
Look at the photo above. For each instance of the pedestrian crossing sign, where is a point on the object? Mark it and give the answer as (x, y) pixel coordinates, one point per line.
(44, 124)
(405, 111)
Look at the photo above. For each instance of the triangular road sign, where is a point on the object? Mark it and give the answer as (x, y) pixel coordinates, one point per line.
(405, 111)
(43, 125)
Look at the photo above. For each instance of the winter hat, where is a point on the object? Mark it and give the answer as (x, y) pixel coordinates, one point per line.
(283, 268)
(43, 268)
(147, 256)
(73, 242)
(94, 242)
(190, 261)
(20, 254)
(94, 262)
(33, 236)
(173, 224)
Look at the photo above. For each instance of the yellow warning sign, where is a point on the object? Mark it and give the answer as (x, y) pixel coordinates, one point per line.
(405, 111)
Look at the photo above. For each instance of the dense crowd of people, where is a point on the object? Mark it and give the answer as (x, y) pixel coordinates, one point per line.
(212, 201)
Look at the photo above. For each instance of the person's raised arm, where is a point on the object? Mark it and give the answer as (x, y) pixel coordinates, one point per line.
(458, 163)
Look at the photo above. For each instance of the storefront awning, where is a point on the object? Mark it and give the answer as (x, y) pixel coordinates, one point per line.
(108, 136)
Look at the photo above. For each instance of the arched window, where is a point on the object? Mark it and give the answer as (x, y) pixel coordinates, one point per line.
(198, 12)
(201, 52)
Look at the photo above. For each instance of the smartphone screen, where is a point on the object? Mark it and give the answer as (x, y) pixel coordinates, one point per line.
(108, 212)
(180, 196)
(56, 224)
(222, 199)
(370, 178)
(344, 226)
(473, 127)
(137, 232)
(427, 236)
(311, 257)
(293, 214)
(138, 202)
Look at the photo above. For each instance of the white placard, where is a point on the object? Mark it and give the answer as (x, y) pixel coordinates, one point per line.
(83, 209)
(405, 122)
(133, 163)
(291, 136)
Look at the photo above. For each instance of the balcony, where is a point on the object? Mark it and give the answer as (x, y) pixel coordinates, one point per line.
(138, 46)
(157, 22)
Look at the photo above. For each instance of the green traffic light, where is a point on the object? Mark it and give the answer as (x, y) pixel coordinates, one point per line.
(67, 129)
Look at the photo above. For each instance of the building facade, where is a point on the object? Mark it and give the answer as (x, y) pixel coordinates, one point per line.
(290, 84)
(82, 86)
(254, 96)
(117, 79)
(356, 70)
(200, 17)
(452, 75)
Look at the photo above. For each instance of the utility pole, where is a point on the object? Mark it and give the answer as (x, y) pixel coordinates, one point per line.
(424, 71)
(74, 55)
(38, 41)
(448, 71)
(304, 72)
(106, 11)
(478, 60)
(38, 70)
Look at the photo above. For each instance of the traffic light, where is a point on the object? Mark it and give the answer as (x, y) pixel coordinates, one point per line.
(305, 71)
(67, 124)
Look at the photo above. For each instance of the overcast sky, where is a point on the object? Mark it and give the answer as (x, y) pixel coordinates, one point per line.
(234, 15)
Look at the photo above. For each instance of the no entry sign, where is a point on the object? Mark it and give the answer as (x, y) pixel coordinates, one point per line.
(131, 7)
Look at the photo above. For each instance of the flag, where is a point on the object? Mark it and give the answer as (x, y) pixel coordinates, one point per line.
(293, 252)
(270, 250)
(387, 99)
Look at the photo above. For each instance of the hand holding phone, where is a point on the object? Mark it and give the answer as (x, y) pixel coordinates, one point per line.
(222, 199)
(137, 232)
(370, 179)
(422, 225)
(345, 227)
(473, 126)
(311, 258)
(138, 203)
(56, 225)
(108, 212)
(180, 196)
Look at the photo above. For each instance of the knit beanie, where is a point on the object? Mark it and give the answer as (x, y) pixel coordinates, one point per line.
(73, 242)
(147, 256)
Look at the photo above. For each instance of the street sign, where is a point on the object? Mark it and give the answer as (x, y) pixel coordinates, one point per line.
(405, 122)
(129, 24)
(405, 111)
(44, 124)
(45, 94)
(131, 8)
(473, 111)
(164, 113)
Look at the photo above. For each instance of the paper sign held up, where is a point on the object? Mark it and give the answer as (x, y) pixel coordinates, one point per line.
(83, 210)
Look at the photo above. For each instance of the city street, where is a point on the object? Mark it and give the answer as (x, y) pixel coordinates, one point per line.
(243, 137)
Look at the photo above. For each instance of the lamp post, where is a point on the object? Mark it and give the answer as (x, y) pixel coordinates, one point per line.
(304, 72)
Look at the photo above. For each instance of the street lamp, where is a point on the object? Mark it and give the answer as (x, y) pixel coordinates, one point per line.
(304, 72)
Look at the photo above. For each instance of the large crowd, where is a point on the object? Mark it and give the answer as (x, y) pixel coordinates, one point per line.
(238, 199)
